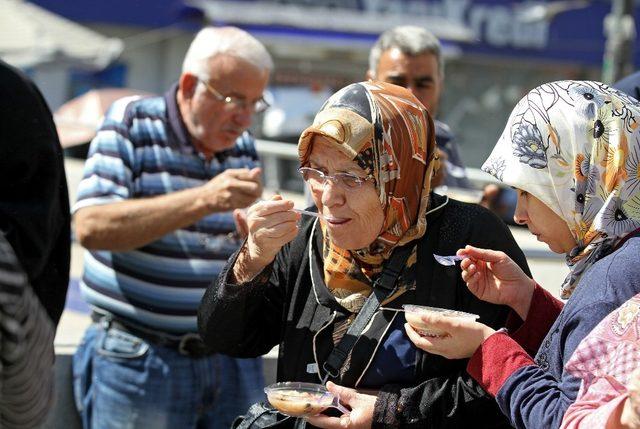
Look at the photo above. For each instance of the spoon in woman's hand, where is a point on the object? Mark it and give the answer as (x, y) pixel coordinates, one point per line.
(335, 403)
(447, 261)
(308, 213)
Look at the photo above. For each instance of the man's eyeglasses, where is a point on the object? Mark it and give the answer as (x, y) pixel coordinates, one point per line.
(317, 178)
(258, 106)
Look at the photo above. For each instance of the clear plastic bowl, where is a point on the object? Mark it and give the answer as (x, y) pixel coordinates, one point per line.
(299, 399)
(413, 312)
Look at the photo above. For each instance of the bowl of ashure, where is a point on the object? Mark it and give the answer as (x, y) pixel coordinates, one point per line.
(414, 312)
(299, 399)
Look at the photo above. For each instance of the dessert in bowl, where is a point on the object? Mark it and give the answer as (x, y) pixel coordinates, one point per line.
(414, 312)
(301, 399)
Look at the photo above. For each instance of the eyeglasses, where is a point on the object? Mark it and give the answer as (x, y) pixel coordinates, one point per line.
(317, 178)
(258, 106)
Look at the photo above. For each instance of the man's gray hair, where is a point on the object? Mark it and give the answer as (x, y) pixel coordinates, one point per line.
(410, 40)
(211, 41)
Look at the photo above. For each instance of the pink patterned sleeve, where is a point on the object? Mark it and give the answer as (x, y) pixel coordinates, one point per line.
(595, 408)
(604, 361)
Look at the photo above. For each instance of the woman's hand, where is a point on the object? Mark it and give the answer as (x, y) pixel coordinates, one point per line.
(492, 276)
(270, 224)
(240, 219)
(630, 418)
(361, 415)
(461, 340)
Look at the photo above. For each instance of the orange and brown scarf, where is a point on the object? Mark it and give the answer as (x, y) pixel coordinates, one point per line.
(388, 132)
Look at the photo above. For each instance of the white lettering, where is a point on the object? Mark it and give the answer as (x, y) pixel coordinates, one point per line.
(476, 20)
(456, 9)
(374, 5)
(494, 24)
(534, 35)
(418, 8)
(499, 27)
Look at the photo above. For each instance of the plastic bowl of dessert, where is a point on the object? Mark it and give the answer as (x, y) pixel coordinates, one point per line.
(414, 312)
(297, 399)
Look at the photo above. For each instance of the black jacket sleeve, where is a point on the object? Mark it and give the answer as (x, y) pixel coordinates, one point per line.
(245, 320)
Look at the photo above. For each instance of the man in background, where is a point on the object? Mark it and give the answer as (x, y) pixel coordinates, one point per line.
(154, 212)
(411, 57)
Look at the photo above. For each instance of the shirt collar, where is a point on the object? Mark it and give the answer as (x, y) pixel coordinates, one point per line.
(176, 124)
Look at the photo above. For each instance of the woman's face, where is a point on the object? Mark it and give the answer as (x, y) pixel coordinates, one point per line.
(542, 222)
(353, 216)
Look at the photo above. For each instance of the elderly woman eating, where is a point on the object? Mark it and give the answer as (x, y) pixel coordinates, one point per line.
(300, 281)
(572, 150)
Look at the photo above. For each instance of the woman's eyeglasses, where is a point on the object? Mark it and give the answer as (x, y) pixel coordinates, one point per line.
(317, 178)
(258, 106)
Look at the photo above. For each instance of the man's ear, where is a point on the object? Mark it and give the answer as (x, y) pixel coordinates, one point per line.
(369, 75)
(187, 85)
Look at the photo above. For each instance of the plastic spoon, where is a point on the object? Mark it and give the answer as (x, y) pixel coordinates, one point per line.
(308, 213)
(336, 404)
(447, 261)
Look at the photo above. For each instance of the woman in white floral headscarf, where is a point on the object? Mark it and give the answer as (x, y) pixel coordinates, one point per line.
(572, 151)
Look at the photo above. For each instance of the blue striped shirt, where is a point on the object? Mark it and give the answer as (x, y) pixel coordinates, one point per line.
(143, 150)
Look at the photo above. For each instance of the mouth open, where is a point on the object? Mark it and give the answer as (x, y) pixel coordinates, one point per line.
(335, 221)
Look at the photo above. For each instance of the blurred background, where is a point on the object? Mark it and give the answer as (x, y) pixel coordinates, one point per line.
(495, 50)
(85, 54)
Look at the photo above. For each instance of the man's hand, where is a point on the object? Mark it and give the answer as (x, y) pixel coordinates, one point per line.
(361, 405)
(234, 188)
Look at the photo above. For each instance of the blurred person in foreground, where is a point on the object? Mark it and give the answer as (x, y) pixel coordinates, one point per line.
(607, 361)
(299, 283)
(572, 150)
(154, 211)
(35, 243)
(411, 57)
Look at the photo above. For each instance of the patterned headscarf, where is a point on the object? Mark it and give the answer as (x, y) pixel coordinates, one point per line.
(390, 135)
(576, 147)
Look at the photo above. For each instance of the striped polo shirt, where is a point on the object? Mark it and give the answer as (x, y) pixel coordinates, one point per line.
(143, 150)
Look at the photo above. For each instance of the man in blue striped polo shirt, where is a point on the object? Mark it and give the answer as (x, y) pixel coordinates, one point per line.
(154, 211)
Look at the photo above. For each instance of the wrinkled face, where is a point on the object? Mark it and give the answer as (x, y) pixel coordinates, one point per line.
(420, 74)
(214, 125)
(354, 217)
(544, 223)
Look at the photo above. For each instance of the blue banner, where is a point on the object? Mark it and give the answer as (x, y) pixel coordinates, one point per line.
(574, 36)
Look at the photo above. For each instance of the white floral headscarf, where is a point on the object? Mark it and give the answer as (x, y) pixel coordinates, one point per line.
(575, 145)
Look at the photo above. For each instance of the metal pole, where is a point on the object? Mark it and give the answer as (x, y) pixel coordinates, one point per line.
(620, 33)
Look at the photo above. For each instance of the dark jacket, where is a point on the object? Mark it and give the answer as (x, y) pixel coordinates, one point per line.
(282, 307)
(34, 203)
(456, 174)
